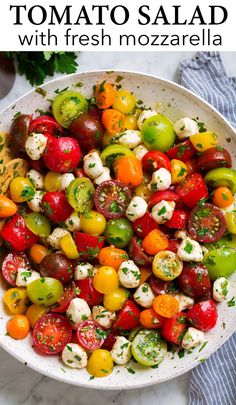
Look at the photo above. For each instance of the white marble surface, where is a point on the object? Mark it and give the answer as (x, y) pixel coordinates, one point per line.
(20, 385)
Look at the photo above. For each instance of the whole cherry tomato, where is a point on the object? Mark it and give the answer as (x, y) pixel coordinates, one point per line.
(19, 133)
(203, 315)
(88, 292)
(16, 235)
(144, 225)
(192, 189)
(128, 170)
(62, 154)
(128, 317)
(58, 266)
(194, 281)
(154, 160)
(104, 95)
(113, 120)
(173, 329)
(178, 220)
(55, 206)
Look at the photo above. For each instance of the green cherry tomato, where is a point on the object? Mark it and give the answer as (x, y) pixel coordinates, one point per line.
(67, 106)
(228, 241)
(147, 348)
(220, 262)
(221, 177)
(158, 133)
(118, 232)
(112, 152)
(45, 291)
(80, 193)
(38, 224)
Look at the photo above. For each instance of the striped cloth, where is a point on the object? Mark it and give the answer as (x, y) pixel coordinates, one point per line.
(213, 382)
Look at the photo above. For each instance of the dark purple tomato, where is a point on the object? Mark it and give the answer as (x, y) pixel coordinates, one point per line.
(58, 266)
(19, 133)
(88, 130)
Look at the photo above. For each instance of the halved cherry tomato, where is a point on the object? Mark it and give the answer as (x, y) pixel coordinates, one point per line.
(113, 121)
(112, 256)
(192, 189)
(45, 124)
(128, 169)
(214, 158)
(222, 197)
(161, 287)
(203, 140)
(178, 220)
(88, 246)
(62, 154)
(154, 160)
(150, 319)
(51, 334)
(154, 242)
(166, 305)
(58, 266)
(37, 252)
(178, 171)
(166, 195)
(195, 281)
(104, 95)
(17, 235)
(11, 264)
(173, 329)
(91, 335)
(128, 317)
(55, 206)
(7, 207)
(182, 151)
(206, 223)
(68, 294)
(88, 292)
(144, 225)
(203, 315)
(137, 253)
(18, 327)
(111, 198)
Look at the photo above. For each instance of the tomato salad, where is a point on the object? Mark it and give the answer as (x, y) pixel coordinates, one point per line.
(119, 240)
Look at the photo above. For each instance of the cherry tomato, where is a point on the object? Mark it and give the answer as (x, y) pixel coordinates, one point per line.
(154, 160)
(16, 300)
(192, 189)
(18, 327)
(119, 232)
(88, 292)
(37, 253)
(110, 340)
(38, 224)
(222, 197)
(19, 133)
(203, 140)
(143, 191)
(38, 165)
(113, 121)
(88, 246)
(182, 151)
(214, 158)
(158, 133)
(144, 225)
(104, 95)
(128, 169)
(194, 281)
(206, 223)
(112, 256)
(192, 166)
(68, 294)
(150, 319)
(178, 220)
(88, 130)
(80, 193)
(154, 242)
(45, 291)
(52, 181)
(178, 171)
(67, 106)
(173, 329)
(45, 124)
(145, 273)
(137, 253)
(7, 207)
(166, 265)
(90, 335)
(128, 317)
(51, 334)
(58, 266)
(173, 245)
(166, 305)
(62, 154)
(21, 189)
(34, 312)
(161, 287)
(11, 264)
(111, 198)
(68, 247)
(100, 363)
(166, 195)
(16, 234)
(203, 315)
(106, 280)
(124, 101)
(115, 300)
(55, 206)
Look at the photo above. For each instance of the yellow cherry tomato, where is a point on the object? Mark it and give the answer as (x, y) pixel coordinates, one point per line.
(93, 222)
(178, 171)
(204, 141)
(231, 222)
(124, 101)
(16, 300)
(34, 312)
(21, 189)
(100, 363)
(52, 181)
(115, 300)
(143, 191)
(106, 280)
(166, 265)
(131, 121)
(69, 247)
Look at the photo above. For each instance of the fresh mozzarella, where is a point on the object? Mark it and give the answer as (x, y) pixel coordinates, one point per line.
(136, 208)
(78, 311)
(83, 270)
(121, 351)
(163, 211)
(180, 234)
(161, 180)
(192, 338)
(190, 250)
(140, 151)
(144, 116)
(220, 289)
(25, 277)
(103, 317)
(129, 274)
(106, 175)
(93, 166)
(55, 237)
(185, 302)
(144, 295)
(73, 222)
(74, 356)
(185, 127)
(36, 178)
(36, 200)
(36, 145)
(130, 138)
(66, 179)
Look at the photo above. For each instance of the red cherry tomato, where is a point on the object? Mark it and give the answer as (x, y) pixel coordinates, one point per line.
(64, 302)
(178, 220)
(159, 286)
(137, 253)
(88, 130)
(88, 246)
(154, 160)
(173, 245)
(55, 206)
(203, 315)
(88, 292)
(51, 334)
(192, 189)
(213, 158)
(158, 196)
(194, 281)
(144, 225)
(16, 235)
(183, 151)
(90, 335)
(192, 166)
(45, 124)
(110, 340)
(58, 266)
(62, 154)
(112, 198)
(79, 173)
(11, 264)
(173, 329)
(128, 317)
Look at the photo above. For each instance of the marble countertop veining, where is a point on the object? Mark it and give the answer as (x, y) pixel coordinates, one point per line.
(20, 385)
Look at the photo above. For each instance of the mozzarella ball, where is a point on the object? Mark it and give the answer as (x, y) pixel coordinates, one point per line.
(140, 151)
(185, 302)
(220, 289)
(73, 222)
(36, 200)
(66, 179)
(25, 277)
(78, 311)
(103, 317)
(83, 270)
(130, 138)
(144, 295)
(36, 178)
(105, 176)
(93, 166)
(55, 237)
(121, 351)
(190, 250)
(35, 145)
(192, 338)
(163, 211)
(136, 208)
(145, 115)
(129, 274)
(74, 356)
(185, 127)
(161, 180)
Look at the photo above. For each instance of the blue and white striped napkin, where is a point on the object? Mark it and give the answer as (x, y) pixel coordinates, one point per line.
(213, 382)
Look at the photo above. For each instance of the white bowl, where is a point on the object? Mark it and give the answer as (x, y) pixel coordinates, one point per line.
(177, 102)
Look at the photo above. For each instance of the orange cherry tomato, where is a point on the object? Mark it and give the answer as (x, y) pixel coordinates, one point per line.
(145, 273)
(128, 169)
(38, 252)
(113, 121)
(112, 256)
(222, 197)
(154, 242)
(7, 207)
(18, 327)
(166, 305)
(150, 319)
(104, 95)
